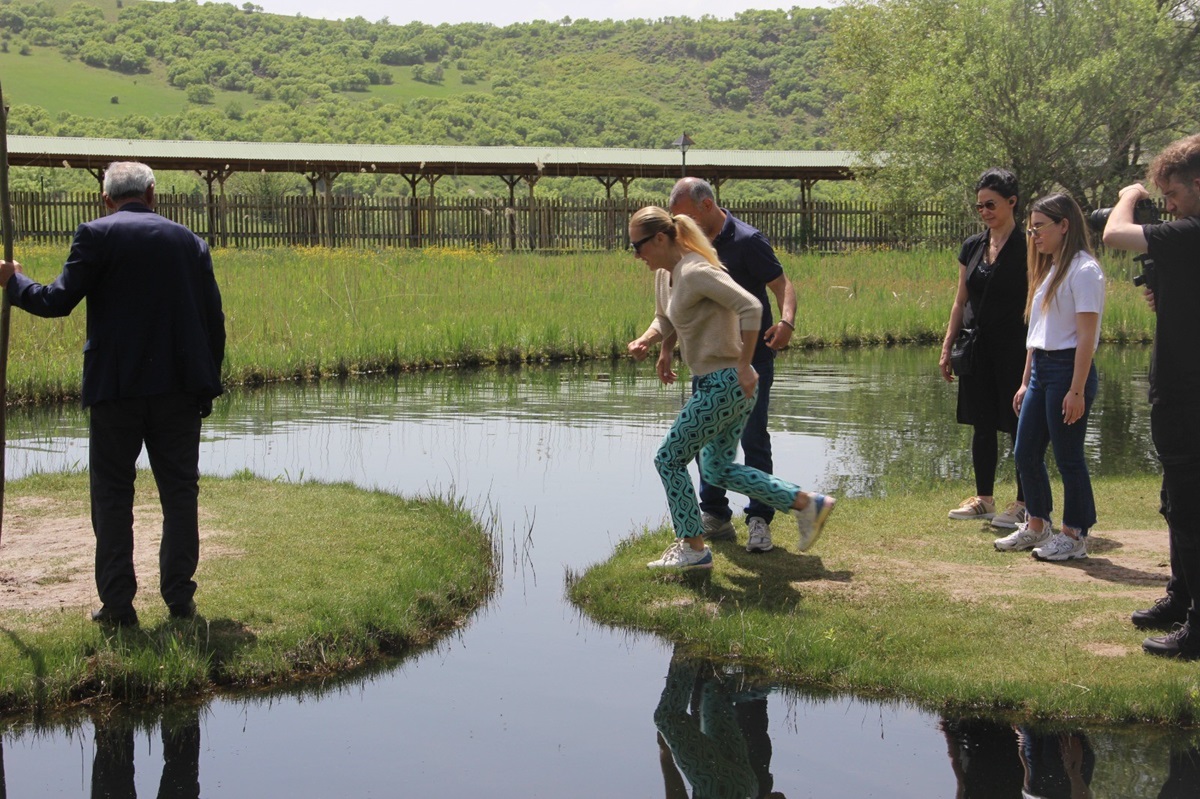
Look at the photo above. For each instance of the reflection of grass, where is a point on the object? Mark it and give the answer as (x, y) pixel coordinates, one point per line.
(325, 578)
(898, 600)
(306, 313)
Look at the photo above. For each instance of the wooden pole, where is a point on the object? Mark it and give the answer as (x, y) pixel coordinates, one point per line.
(5, 309)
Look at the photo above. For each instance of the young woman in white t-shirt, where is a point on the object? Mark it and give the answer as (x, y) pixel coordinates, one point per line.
(1065, 303)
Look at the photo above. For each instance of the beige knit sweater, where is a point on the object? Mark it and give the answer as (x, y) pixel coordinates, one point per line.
(707, 309)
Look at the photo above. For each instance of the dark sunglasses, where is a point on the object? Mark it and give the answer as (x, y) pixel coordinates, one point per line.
(990, 205)
(637, 245)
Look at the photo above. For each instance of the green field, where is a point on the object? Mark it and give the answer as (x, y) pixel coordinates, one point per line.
(317, 312)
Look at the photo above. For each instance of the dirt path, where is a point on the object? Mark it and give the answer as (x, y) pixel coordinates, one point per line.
(46, 556)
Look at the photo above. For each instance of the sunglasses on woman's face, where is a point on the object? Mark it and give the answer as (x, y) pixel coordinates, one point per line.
(989, 205)
(637, 245)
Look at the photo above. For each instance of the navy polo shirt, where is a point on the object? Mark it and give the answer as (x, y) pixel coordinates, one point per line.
(751, 262)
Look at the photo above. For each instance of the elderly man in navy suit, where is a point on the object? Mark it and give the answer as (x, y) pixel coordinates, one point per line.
(151, 368)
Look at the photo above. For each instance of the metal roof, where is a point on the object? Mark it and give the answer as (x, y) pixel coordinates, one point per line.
(239, 156)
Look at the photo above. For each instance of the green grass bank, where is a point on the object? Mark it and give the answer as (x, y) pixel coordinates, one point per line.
(898, 601)
(312, 313)
(295, 581)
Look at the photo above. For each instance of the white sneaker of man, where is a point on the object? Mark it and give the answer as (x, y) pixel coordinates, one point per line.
(717, 529)
(760, 535)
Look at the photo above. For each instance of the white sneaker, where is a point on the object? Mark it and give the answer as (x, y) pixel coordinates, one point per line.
(974, 508)
(680, 555)
(810, 522)
(716, 528)
(1062, 547)
(760, 535)
(1025, 537)
(1013, 517)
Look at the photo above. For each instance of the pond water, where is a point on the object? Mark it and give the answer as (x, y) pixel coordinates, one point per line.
(532, 699)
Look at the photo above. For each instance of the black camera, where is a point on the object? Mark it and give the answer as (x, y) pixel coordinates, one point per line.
(1145, 212)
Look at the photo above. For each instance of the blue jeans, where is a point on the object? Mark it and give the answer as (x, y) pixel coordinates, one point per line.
(756, 444)
(710, 426)
(1040, 425)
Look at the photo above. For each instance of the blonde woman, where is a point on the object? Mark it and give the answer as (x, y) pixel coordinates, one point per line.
(1064, 307)
(717, 324)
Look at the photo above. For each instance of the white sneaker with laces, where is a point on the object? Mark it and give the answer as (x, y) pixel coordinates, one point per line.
(680, 555)
(974, 508)
(1012, 517)
(1062, 547)
(760, 535)
(810, 522)
(1024, 537)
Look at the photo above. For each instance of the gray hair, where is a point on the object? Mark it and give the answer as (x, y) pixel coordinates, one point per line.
(696, 189)
(125, 179)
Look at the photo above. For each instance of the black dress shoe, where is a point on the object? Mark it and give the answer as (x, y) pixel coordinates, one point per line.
(183, 610)
(114, 617)
(1164, 615)
(1179, 643)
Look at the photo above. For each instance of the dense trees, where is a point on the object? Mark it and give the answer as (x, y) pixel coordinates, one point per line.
(1067, 93)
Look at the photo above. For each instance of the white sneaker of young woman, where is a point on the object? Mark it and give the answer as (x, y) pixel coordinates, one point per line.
(1062, 547)
(810, 522)
(1024, 537)
(1012, 517)
(680, 555)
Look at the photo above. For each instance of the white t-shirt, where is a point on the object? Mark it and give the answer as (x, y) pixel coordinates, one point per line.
(1082, 291)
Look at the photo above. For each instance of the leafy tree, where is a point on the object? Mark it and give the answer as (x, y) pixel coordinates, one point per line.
(1067, 93)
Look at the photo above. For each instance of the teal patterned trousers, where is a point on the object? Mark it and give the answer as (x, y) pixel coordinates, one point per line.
(710, 425)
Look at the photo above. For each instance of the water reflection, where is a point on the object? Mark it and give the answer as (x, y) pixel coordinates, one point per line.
(532, 700)
(712, 732)
(114, 751)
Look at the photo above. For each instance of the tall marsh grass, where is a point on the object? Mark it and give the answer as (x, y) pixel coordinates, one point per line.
(306, 313)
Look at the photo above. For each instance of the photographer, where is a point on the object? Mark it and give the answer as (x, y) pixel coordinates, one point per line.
(1173, 291)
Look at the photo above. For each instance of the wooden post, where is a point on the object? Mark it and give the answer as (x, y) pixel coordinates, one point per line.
(5, 307)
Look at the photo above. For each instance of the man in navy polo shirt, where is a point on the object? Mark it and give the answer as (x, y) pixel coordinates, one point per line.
(751, 262)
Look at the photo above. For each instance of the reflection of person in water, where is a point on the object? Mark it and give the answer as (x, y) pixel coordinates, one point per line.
(984, 758)
(699, 734)
(1057, 765)
(112, 764)
(1183, 775)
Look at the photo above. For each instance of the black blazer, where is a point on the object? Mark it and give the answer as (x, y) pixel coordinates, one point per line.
(154, 319)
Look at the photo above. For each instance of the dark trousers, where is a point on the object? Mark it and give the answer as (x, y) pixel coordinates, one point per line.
(756, 445)
(1176, 433)
(169, 426)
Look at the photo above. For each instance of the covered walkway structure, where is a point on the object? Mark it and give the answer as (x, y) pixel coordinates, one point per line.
(322, 164)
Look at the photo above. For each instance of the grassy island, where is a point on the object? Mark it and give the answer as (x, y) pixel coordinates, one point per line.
(898, 601)
(296, 580)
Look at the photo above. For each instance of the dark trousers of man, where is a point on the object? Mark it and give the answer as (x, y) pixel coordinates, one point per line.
(169, 425)
(756, 445)
(1176, 433)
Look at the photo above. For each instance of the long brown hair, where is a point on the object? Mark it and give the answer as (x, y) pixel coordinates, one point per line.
(680, 228)
(1076, 240)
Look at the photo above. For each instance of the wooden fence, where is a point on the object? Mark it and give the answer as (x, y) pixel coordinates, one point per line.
(248, 221)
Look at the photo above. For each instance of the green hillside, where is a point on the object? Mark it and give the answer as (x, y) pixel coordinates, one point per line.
(217, 71)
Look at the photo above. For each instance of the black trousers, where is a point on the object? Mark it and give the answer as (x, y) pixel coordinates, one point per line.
(169, 426)
(1176, 433)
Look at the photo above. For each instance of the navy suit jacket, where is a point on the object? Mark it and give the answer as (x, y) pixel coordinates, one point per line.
(154, 319)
